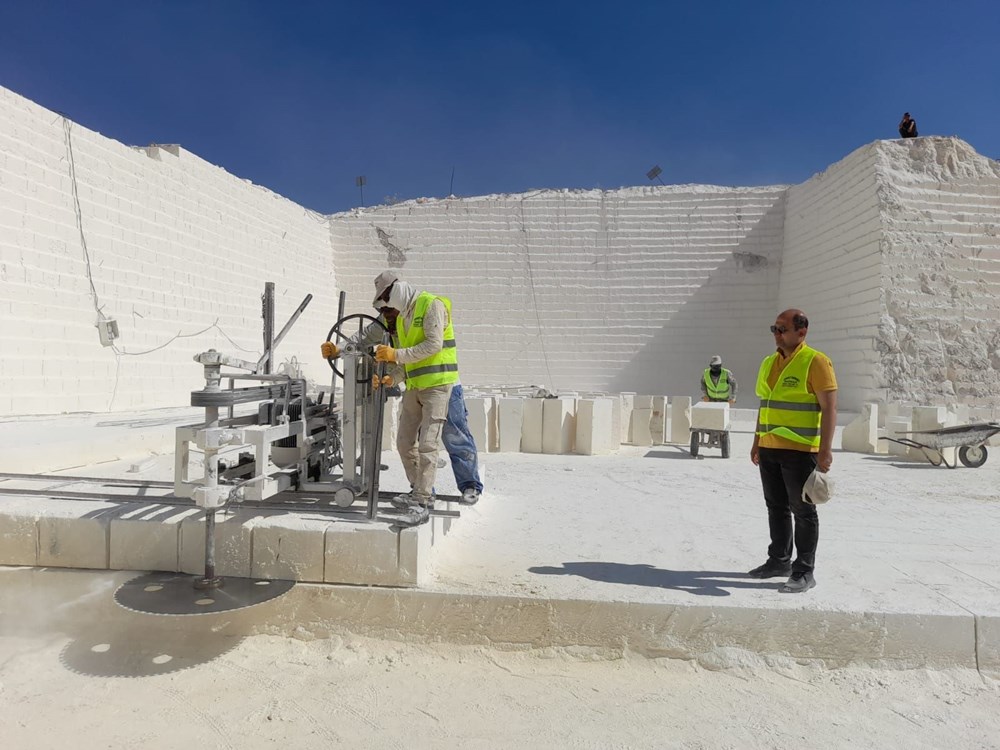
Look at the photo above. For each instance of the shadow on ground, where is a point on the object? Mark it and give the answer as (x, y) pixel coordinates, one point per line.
(699, 582)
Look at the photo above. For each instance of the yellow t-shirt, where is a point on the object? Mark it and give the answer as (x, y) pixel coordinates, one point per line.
(821, 378)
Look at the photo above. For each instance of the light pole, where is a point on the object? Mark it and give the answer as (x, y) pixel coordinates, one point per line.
(654, 174)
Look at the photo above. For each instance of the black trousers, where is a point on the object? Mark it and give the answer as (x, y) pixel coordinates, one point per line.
(783, 473)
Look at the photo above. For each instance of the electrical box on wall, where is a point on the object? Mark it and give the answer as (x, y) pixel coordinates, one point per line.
(108, 330)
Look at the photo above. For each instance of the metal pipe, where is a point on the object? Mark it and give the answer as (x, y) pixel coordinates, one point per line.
(281, 334)
(376, 463)
(267, 313)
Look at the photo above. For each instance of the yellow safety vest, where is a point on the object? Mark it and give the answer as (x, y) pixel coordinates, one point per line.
(437, 369)
(789, 410)
(720, 391)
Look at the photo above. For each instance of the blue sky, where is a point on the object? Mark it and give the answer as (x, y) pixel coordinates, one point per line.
(302, 97)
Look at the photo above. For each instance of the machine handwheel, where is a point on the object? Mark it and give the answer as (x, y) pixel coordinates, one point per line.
(695, 439)
(724, 444)
(339, 330)
(972, 456)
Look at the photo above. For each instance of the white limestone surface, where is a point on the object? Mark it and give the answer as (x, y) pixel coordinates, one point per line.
(65, 657)
(175, 249)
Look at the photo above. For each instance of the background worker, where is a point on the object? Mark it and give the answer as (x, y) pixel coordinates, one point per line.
(718, 383)
(907, 126)
(798, 415)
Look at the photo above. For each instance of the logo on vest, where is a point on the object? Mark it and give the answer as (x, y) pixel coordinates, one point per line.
(790, 382)
(418, 321)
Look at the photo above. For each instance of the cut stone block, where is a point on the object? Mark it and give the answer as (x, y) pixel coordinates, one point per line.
(628, 403)
(639, 433)
(18, 535)
(147, 538)
(680, 419)
(361, 554)
(642, 402)
(233, 538)
(710, 416)
(75, 536)
(959, 414)
(616, 421)
(479, 410)
(929, 417)
(288, 548)
(898, 411)
(510, 422)
(531, 425)
(658, 422)
(414, 554)
(493, 423)
(895, 428)
(861, 435)
(593, 426)
(558, 425)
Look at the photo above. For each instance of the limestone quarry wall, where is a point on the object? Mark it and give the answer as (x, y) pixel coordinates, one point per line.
(832, 269)
(939, 332)
(892, 251)
(175, 249)
(626, 290)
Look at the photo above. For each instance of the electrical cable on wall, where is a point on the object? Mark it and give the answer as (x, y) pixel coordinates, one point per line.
(103, 319)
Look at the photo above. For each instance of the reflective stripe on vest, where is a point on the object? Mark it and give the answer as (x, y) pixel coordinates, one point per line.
(720, 391)
(440, 368)
(789, 410)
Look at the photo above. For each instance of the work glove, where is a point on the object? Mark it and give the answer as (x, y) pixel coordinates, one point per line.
(329, 350)
(384, 353)
(732, 402)
(387, 381)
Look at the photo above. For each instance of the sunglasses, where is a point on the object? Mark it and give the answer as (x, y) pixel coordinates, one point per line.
(779, 329)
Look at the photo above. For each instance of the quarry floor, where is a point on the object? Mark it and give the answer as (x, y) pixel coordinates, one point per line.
(645, 526)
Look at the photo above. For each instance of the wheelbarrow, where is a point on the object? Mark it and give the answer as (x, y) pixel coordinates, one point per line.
(702, 438)
(970, 439)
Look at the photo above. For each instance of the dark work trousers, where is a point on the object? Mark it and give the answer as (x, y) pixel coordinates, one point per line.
(783, 473)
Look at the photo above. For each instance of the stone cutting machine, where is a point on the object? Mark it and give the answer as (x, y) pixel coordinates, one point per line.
(287, 439)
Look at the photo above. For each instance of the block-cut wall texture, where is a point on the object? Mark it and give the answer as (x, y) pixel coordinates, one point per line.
(175, 249)
(626, 290)
(891, 252)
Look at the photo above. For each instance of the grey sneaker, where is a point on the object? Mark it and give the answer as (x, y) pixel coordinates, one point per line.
(470, 496)
(798, 582)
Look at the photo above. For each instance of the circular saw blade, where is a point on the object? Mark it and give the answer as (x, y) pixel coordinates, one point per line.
(175, 594)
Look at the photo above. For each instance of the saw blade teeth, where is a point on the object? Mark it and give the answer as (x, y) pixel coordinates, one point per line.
(175, 595)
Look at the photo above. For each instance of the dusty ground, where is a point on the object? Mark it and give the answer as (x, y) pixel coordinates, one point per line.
(115, 689)
(646, 525)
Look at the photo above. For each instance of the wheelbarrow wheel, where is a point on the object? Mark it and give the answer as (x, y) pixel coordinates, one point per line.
(972, 456)
(694, 444)
(724, 444)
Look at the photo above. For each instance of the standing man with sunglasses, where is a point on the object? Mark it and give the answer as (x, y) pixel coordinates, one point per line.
(798, 414)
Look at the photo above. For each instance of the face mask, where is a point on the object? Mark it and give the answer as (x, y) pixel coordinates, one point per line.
(716, 369)
(397, 296)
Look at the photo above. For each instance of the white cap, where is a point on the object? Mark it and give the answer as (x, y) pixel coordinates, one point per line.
(382, 282)
(818, 488)
(716, 360)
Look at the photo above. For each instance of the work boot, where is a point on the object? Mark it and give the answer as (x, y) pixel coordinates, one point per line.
(771, 569)
(403, 500)
(798, 582)
(470, 496)
(414, 516)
